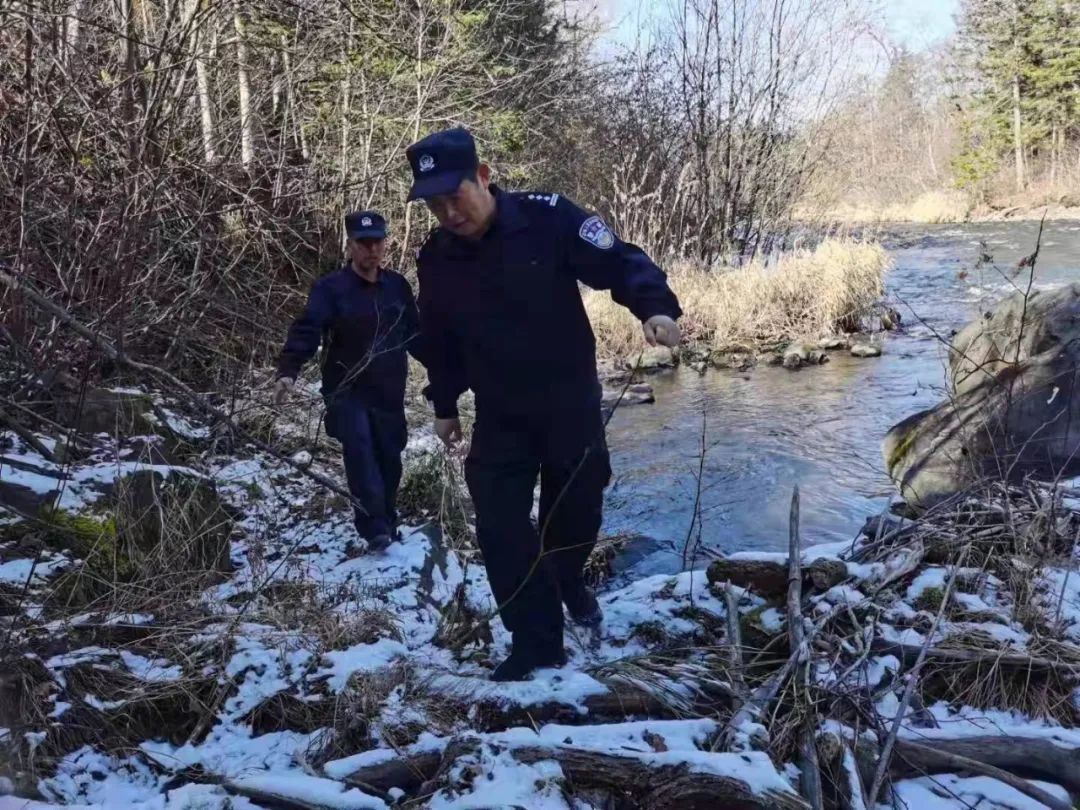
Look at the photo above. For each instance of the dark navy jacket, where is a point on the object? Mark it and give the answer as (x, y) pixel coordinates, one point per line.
(367, 327)
(503, 315)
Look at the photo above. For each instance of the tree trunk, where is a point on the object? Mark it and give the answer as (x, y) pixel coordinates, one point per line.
(247, 151)
(71, 30)
(202, 87)
(275, 86)
(418, 117)
(346, 115)
(1018, 142)
(290, 99)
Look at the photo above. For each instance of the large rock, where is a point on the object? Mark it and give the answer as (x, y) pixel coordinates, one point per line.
(655, 358)
(864, 349)
(1014, 409)
(168, 532)
(100, 410)
(803, 353)
(173, 521)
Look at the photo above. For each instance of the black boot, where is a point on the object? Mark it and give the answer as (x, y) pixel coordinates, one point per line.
(379, 542)
(581, 604)
(524, 660)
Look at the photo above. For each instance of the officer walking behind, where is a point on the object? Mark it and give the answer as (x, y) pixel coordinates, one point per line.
(366, 316)
(502, 314)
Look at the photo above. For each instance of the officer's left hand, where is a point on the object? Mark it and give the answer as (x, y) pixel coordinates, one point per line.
(662, 330)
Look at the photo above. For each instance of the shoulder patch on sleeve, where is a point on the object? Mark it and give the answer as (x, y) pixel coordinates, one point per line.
(596, 232)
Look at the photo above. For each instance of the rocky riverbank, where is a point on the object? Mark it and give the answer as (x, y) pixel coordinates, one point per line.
(247, 652)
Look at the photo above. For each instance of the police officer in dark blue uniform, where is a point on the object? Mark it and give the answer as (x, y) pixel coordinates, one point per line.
(366, 317)
(502, 314)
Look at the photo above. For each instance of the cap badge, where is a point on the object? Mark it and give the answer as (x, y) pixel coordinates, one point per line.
(366, 222)
(427, 163)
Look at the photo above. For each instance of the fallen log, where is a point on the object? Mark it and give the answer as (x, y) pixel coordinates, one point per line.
(1006, 759)
(769, 578)
(407, 773)
(657, 786)
(1028, 757)
(649, 784)
(279, 793)
(908, 654)
(620, 701)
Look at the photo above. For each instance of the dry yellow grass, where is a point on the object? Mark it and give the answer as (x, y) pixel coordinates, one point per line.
(805, 293)
(931, 207)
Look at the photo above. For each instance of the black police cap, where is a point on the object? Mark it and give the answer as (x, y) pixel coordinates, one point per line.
(441, 161)
(365, 225)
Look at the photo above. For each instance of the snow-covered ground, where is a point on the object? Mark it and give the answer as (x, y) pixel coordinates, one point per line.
(314, 659)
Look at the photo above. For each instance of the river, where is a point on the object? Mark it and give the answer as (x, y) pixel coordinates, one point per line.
(769, 429)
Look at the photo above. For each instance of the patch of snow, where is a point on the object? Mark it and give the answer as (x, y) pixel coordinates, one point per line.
(957, 722)
(565, 686)
(879, 667)
(843, 595)
(905, 636)
(509, 784)
(102, 705)
(949, 791)
(772, 620)
(147, 669)
(1061, 597)
(205, 797)
(341, 768)
(182, 426)
(88, 776)
(266, 670)
(678, 735)
(932, 576)
(230, 750)
(361, 658)
(16, 571)
(311, 790)
(38, 483)
(59, 709)
(129, 619)
(972, 602)
(1003, 634)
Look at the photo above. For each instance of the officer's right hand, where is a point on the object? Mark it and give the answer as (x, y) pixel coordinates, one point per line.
(282, 388)
(449, 431)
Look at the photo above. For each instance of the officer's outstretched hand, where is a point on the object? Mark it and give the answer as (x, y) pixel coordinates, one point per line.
(282, 388)
(662, 330)
(449, 431)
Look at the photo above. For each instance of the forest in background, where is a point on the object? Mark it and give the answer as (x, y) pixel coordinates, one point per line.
(987, 120)
(174, 171)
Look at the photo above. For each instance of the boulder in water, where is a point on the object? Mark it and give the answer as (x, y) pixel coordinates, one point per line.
(865, 350)
(655, 358)
(803, 353)
(891, 319)
(1014, 409)
(833, 342)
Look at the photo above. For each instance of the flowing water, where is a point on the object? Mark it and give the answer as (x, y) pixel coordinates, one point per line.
(755, 435)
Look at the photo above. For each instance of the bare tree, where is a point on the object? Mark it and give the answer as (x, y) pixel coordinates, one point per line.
(243, 83)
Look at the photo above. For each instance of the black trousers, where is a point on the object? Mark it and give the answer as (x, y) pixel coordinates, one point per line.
(529, 566)
(372, 441)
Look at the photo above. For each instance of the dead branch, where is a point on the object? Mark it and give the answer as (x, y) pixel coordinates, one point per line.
(810, 770)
